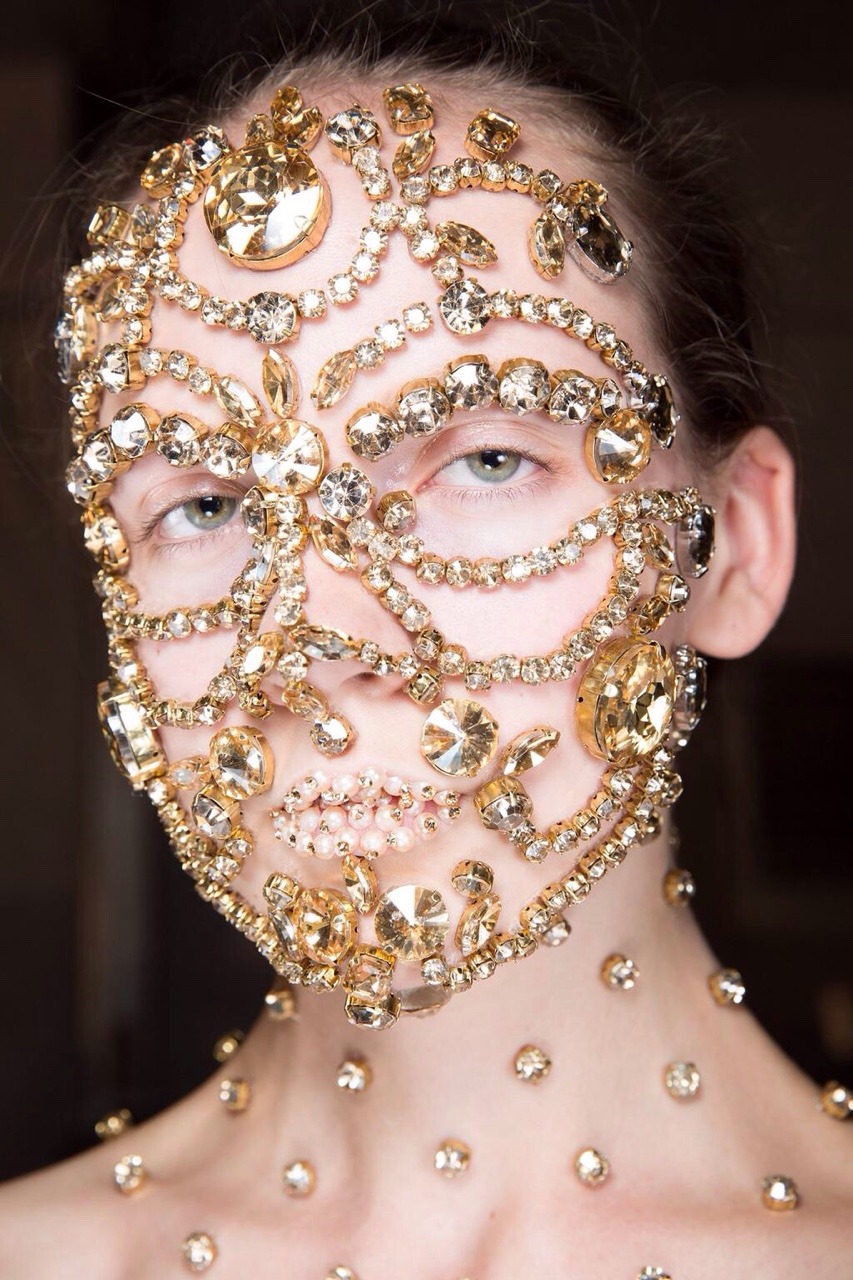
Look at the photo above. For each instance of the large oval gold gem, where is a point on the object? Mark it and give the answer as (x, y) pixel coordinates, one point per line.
(267, 205)
(326, 925)
(625, 700)
(241, 762)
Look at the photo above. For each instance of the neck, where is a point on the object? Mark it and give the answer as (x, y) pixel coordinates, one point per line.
(449, 1074)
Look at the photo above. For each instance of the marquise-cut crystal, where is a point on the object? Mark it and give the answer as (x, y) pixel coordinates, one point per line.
(411, 921)
(280, 383)
(267, 205)
(625, 700)
(658, 409)
(459, 737)
(694, 542)
(289, 456)
(469, 245)
(547, 246)
(413, 154)
(334, 379)
(333, 545)
(360, 881)
(477, 924)
(529, 749)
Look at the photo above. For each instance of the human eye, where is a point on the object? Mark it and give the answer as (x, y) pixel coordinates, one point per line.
(191, 519)
(491, 469)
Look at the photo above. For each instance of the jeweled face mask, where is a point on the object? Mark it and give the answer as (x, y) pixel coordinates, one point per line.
(266, 205)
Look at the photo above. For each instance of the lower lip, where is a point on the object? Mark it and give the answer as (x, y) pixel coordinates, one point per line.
(371, 813)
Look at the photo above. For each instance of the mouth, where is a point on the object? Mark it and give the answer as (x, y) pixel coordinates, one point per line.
(372, 812)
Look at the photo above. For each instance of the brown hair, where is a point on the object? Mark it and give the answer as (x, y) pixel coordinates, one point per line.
(695, 261)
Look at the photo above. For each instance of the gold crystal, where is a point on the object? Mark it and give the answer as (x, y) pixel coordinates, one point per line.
(459, 737)
(470, 246)
(452, 1157)
(280, 1002)
(235, 1095)
(625, 700)
(618, 448)
(477, 924)
(679, 887)
(591, 1167)
(682, 1080)
(425, 686)
(281, 384)
(360, 882)
(547, 246)
(409, 108)
(334, 379)
(333, 545)
(133, 747)
(395, 510)
(726, 986)
(375, 1014)
(162, 170)
(295, 123)
(411, 921)
(289, 456)
(531, 1064)
(369, 973)
(130, 1174)
(619, 971)
(491, 134)
(779, 1193)
(837, 1100)
(242, 762)
(529, 749)
(199, 1251)
(235, 399)
(472, 879)
(413, 154)
(326, 925)
(113, 1124)
(298, 1178)
(226, 1046)
(354, 1075)
(267, 205)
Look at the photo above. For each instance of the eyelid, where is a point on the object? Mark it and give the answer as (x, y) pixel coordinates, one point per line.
(205, 486)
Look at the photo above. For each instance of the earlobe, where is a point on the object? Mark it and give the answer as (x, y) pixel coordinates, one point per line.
(744, 591)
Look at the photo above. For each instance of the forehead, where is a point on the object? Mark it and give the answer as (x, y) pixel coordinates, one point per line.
(504, 217)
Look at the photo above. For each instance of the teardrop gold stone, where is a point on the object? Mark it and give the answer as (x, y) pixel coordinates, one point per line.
(413, 154)
(334, 379)
(281, 384)
(469, 245)
(235, 399)
(333, 545)
(477, 924)
(529, 749)
(547, 246)
(360, 881)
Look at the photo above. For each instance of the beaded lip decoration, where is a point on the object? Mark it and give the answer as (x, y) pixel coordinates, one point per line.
(266, 204)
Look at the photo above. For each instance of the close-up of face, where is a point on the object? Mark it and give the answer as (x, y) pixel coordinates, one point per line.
(398, 591)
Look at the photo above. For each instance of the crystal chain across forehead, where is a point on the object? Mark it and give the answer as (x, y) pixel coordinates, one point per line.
(266, 205)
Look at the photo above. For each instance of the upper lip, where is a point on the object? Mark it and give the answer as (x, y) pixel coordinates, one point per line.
(385, 773)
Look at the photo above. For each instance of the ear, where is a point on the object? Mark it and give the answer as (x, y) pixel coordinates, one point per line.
(745, 588)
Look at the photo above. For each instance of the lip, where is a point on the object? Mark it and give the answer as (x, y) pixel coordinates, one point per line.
(370, 811)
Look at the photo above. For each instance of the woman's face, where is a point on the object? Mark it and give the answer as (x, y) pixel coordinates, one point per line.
(492, 483)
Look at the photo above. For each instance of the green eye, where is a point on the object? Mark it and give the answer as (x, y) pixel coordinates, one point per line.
(493, 464)
(207, 512)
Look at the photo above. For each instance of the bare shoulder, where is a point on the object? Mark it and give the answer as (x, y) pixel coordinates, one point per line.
(60, 1222)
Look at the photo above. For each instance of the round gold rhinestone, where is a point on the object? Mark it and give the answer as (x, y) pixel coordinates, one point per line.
(289, 456)
(235, 1095)
(354, 1075)
(326, 925)
(619, 971)
(130, 1174)
(679, 887)
(113, 1124)
(199, 1251)
(227, 1045)
(591, 1167)
(280, 1003)
(837, 1100)
(726, 986)
(452, 1157)
(411, 921)
(298, 1178)
(625, 700)
(779, 1192)
(473, 879)
(531, 1064)
(682, 1080)
(459, 737)
(267, 205)
(241, 761)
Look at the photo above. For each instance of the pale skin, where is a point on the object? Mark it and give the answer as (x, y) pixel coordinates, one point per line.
(684, 1191)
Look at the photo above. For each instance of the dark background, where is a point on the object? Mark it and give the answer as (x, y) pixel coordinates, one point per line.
(115, 978)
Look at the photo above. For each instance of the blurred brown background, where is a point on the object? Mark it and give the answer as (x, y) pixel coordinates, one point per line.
(115, 978)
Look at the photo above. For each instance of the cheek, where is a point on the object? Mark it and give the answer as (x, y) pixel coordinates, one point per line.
(182, 669)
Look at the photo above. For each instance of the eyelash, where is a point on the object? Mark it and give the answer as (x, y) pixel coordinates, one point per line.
(181, 544)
